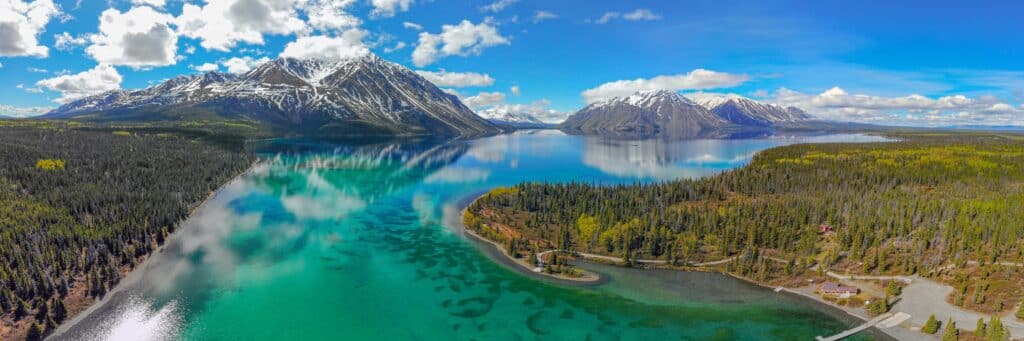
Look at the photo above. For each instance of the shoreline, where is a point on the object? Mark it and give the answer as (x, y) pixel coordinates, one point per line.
(135, 273)
(494, 251)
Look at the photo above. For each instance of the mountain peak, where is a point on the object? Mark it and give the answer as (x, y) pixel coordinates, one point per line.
(362, 95)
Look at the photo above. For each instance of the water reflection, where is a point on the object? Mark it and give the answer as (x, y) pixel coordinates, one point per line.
(321, 227)
(661, 159)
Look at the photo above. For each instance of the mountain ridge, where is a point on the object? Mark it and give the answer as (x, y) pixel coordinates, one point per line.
(359, 96)
(670, 114)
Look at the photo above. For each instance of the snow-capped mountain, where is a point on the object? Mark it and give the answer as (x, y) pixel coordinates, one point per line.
(658, 112)
(744, 111)
(508, 117)
(358, 96)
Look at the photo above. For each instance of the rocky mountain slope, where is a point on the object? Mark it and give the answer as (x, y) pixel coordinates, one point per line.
(359, 96)
(647, 113)
(744, 111)
(669, 114)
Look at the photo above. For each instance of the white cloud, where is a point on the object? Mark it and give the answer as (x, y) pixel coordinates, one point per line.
(457, 79)
(221, 24)
(20, 112)
(205, 67)
(388, 8)
(67, 42)
(36, 70)
(398, 46)
(636, 15)
(412, 25)
(838, 104)
(154, 3)
(484, 99)
(694, 80)
(329, 14)
(543, 15)
(239, 65)
(641, 14)
(348, 45)
(99, 79)
(606, 17)
(137, 38)
(514, 90)
(20, 25)
(463, 39)
(34, 90)
(498, 6)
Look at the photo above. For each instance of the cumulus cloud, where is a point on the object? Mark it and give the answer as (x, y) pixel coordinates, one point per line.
(329, 14)
(838, 104)
(137, 38)
(239, 65)
(543, 15)
(694, 80)
(388, 8)
(497, 6)
(515, 90)
(457, 79)
(221, 24)
(484, 99)
(205, 67)
(463, 39)
(154, 3)
(348, 45)
(20, 25)
(21, 112)
(99, 79)
(67, 42)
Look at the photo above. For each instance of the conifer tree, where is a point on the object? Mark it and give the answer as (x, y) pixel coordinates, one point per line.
(950, 333)
(931, 326)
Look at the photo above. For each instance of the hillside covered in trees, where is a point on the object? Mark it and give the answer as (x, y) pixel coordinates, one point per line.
(79, 208)
(942, 205)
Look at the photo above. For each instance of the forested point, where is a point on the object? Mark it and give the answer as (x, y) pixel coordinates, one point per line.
(80, 208)
(946, 206)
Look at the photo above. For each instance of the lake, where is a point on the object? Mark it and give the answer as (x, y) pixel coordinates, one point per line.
(340, 240)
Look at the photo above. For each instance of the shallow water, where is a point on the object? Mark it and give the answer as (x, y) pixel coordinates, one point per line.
(341, 240)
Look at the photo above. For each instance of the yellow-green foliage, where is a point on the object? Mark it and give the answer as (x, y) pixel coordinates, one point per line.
(122, 133)
(587, 227)
(50, 164)
(500, 191)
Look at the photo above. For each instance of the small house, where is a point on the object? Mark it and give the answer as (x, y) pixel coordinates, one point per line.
(837, 290)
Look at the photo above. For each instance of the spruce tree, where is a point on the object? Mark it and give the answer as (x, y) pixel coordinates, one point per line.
(931, 326)
(34, 333)
(994, 331)
(950, 333)
(979, 330)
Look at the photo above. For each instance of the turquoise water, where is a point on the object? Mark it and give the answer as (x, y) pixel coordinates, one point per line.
(338, 240)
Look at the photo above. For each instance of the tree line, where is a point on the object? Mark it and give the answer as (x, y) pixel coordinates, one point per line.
(912, 206)
(77, 208)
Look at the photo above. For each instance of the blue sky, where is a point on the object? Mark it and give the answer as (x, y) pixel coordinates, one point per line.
(895, 62)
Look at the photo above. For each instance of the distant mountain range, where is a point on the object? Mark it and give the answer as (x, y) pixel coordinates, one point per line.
(669, 114)
(508, 117)
(359, 96)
